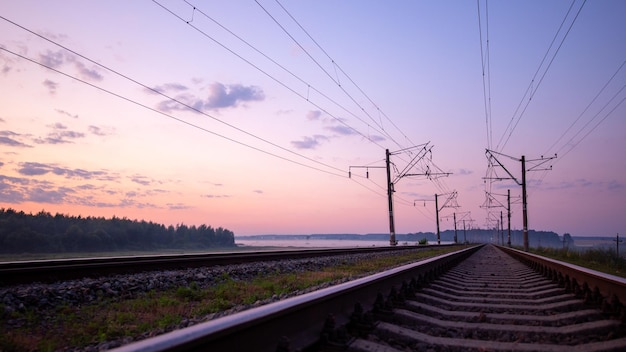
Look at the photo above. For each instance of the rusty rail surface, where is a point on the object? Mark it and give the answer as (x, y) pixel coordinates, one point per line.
(299, 322)
(605, 290)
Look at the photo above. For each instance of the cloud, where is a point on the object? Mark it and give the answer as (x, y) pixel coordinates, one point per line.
(1, 164)
(168, 88)
(612, 185)
(87, 73)
(219, 96)
(223, 96)
(52, 59)
(59, 58)
(98, 131)
(142, 180)
(178, 206)
(376, 138)
(309, 142)
(313, 115)
(60, 135)
(187, 100)
(258, 191)
(9, 193)
(51, 86)
(63, 112)
(341, 130)
(48, 196)
(464, 172)
(211, 196)
(7, 138)
(38, 169)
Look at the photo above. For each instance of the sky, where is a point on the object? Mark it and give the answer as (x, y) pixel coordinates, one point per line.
(249, 115)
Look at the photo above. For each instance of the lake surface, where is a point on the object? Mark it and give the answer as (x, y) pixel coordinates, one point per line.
(319, 243)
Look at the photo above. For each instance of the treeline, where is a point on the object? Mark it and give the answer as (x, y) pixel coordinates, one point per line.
(47, 233)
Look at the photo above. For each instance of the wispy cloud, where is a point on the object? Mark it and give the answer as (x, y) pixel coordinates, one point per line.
(309, 142)
(224, 96)
(211, 196)
(313, 115)
(51, 86)
(219, 96)
(100, 131)
(57, 59)
(142, 180)
(341, 130)
(38, 169)
(178, 206)
(30, 188)
(65, 113)
(59, 135)
(169, 88)
(10, 138)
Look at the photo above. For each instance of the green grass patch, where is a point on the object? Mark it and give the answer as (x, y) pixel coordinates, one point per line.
(602, 260)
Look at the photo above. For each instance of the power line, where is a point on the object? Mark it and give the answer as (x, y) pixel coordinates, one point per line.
(336, 81)
(309, 86)
(306, 98)
(156, 91)
(336, 65)
(585, 110)
(530, 86)
(485, 61)
(167, 115)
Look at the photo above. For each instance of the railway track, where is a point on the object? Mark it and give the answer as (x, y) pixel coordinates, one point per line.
(477, 299)
(25, 272)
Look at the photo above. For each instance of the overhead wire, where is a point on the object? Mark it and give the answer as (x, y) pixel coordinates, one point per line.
(572, 142)
(584, 110)
(156, 91)
(267, 74)
(336, 81)
(486, 75)
(291, 73)
(533, 88)
(337, 66)
(167, 115)
(312, 58)
(252, 64)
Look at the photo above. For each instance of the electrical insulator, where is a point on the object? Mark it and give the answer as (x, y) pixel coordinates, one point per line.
(349, 174)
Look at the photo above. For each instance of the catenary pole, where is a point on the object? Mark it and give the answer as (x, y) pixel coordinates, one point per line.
(392, 230)
(524, 207)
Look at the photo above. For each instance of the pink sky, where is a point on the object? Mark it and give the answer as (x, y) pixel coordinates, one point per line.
(260, 148)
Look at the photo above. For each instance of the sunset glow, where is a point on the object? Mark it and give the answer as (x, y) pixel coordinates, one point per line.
(155, 110)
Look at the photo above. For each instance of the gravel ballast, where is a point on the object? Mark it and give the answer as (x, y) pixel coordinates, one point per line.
(43, 298)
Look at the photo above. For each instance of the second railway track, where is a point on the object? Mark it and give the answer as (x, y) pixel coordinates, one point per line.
(479, 299)
(490, 302)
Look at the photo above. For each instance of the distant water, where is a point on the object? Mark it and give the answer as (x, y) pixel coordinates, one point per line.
(319, 243)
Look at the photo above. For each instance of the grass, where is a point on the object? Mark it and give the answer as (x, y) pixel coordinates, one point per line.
(603, 260)
(78, 326)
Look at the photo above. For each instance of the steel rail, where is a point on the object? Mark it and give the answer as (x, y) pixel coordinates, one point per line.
(296, 323)
(608, 291)
(24, 272)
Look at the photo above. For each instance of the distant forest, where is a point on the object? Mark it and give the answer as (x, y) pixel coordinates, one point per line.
(47, 233)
